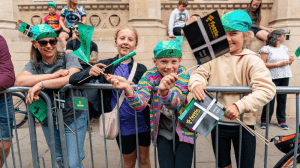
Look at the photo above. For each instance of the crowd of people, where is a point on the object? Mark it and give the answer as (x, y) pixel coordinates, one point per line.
(49, 70)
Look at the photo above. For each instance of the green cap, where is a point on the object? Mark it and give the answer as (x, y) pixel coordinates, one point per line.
(167, 49)
(52, 4)
(42, 31)
(236, 21)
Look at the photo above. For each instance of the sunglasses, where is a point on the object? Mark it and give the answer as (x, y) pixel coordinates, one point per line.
(44, 43)
(76, 28)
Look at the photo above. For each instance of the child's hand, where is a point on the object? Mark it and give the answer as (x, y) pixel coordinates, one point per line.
(121, 83)
(171, 36)
(95, 69)
(167, 83)
(232, 112)
(198, 92)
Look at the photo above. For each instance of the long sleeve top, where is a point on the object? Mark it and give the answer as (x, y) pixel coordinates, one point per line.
(7, 74)
(176, 99)
(177, 19)
(243, 69)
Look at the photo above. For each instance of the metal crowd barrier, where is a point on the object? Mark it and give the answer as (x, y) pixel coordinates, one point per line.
(32, 130)
(74, 91)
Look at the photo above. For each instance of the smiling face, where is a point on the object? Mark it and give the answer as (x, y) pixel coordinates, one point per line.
(255, 5)
(125, 41)
(167, 65)
(236, 41)
(47, 51)
(51, 9)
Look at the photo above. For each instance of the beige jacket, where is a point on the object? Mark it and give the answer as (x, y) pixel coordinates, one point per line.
(244, 69)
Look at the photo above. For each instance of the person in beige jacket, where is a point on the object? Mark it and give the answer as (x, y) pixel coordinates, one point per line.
(240, 67)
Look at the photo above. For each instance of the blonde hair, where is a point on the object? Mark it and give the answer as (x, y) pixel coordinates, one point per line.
(69, 3)
(127, 26)
(247, 40)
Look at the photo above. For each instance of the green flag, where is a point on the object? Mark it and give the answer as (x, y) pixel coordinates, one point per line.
(297, 53)
(85, 36)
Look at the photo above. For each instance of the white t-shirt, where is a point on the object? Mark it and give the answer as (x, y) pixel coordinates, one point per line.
(277, 55)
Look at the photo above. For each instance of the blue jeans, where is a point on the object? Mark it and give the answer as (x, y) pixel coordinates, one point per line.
(3, 119)
(81, 122)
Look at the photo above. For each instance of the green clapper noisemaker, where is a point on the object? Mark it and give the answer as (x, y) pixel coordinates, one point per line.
(116, 62)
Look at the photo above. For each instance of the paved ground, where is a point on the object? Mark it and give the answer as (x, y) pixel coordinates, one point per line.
(204, 156)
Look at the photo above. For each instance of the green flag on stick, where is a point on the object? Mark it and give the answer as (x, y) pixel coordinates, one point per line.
(85, 36)
(297, 53)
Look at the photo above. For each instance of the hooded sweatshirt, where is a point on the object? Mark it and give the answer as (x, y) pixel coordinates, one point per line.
(243, 69)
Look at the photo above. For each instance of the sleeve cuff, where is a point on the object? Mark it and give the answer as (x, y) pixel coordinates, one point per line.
(166, 97)
(240, 105)
(195, 84)
(131, 98)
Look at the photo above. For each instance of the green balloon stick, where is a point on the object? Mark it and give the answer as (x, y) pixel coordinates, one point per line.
(118, 61)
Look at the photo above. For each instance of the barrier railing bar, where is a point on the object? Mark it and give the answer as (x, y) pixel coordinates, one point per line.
(76, 133)
(174, 131)
(16, 132)
(297, 131)
(89, 128)
(154, 127)
(217, 137)
(240, 138)
(50, 128)
(103, 121)
(62, 134)
(137, 138)
(119, 124)
(266, 136)
(33, 140)
(10, 135)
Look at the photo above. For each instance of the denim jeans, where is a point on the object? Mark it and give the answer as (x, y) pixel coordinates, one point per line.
(3, 119)
(281, 103)
(81, 122)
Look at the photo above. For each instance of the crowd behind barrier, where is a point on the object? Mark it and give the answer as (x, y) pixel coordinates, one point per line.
(76, 93)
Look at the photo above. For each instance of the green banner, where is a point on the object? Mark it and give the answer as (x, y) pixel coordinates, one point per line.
(80, 104)
(85, 36)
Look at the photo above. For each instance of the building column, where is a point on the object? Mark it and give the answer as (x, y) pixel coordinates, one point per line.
(286, 15)
(8, 18)
(145, 16)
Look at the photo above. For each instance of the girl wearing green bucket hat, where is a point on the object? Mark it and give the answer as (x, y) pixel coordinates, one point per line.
(240, 67)
(49, 71)
(171, 101)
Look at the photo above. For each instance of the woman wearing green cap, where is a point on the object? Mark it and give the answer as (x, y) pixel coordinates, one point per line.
(48, 70)
(240, 67)
(170, 102)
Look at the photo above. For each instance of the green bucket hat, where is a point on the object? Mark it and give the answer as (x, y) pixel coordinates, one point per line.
(42, 31)
(52, 4)
(236, 20)
(167, 49)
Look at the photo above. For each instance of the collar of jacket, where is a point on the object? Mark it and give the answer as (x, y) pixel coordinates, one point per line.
(244, 52)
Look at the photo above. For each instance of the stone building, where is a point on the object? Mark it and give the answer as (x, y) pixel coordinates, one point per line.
(150, 18)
